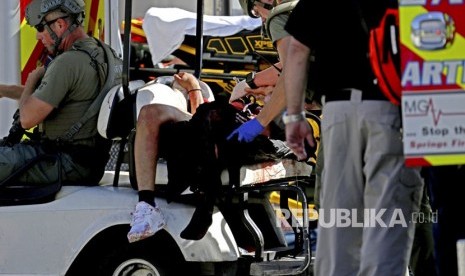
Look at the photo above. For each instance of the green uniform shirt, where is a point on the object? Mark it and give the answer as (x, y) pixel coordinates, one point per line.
(70, 84)
(277, 24)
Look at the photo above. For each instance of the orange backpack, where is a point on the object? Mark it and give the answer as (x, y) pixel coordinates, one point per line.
(384, 55)
(384, 51)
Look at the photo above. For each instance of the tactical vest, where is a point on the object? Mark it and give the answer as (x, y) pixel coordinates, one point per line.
(107, 79)
(99, 62)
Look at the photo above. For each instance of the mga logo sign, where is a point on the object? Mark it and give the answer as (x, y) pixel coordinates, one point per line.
(432, 39)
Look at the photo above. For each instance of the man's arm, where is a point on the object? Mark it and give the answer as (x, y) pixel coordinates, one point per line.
(277, 102)
(191, 84)
(297, 59)
(251, 129)
(268, 76)
(32, 110)
(11, 91)
(296, 70)
(275, 105)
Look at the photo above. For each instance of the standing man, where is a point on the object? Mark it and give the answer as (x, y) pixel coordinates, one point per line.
(363, 170)
(55, 99)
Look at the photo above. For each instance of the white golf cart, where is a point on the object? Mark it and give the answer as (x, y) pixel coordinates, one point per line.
(81, 230)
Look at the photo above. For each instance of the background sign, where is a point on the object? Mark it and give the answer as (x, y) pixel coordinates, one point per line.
(432, 36)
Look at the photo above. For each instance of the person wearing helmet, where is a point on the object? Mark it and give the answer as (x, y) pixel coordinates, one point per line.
(274, 16)
(57, 96)
(69, 11)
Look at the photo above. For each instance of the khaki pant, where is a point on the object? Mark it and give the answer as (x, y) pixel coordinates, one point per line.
(364, 175)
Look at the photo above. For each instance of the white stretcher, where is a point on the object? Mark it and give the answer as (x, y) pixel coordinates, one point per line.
(165, 28)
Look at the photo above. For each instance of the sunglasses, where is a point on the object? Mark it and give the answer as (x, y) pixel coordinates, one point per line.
(41, 26)
(260, 4)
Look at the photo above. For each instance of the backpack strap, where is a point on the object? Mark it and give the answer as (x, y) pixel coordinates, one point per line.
(286, 7)
(94, 108)
(93, 54)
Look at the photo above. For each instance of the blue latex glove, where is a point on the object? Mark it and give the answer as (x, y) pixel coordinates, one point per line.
(247, 131)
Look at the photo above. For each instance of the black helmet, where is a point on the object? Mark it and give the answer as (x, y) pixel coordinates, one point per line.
(37, 9)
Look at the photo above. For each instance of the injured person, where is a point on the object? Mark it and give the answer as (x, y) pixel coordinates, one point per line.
(147, 218)
(196, 151)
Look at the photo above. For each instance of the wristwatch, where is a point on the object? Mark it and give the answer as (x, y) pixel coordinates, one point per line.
(292, 118)
(249, 79)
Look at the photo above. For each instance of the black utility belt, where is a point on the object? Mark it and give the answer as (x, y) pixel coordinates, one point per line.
(354, 94)
(75, 148)
(61, 146)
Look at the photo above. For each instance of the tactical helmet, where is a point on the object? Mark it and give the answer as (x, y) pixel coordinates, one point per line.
(33, 14)
(247, 7)
(37, 9)
(68, 6)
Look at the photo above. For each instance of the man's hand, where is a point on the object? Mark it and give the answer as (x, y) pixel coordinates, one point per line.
(296, 133)
(261, 90)
(247, 131)
(35, 76)
(187, 81)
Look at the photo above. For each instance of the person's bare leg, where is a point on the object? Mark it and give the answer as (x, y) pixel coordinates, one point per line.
(147, 219)
(147, 137)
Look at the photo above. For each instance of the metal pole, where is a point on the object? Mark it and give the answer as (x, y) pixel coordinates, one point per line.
(127, 46)
(199, 36)
(227, 8)
(461, 257)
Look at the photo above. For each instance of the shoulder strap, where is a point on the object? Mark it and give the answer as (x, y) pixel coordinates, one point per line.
(279, 9)
(93, 56)
(94, 108)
